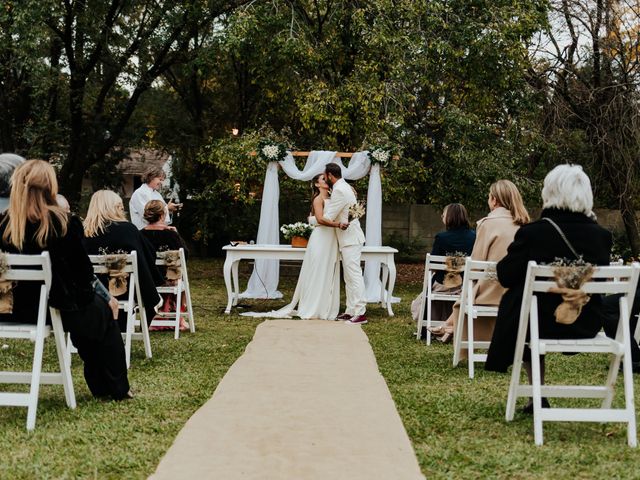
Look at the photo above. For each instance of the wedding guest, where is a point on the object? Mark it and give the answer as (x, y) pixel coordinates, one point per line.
(494, 234)
(107, 229)
(8, 163)
(152, 181)
(457, 238)
(567, 200)
(160, 235)
(163, 237)
(34, 223)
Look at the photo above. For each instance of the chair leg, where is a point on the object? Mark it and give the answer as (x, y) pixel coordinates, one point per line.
(144, 327)
(457, 337)
(35, 377)
(470, 350)
(129, 334)
(536, 379)
(612, 376)
(192, 322)
(64, 359)
(176, 334)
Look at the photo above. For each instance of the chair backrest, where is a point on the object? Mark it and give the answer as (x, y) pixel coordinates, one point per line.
(604, 280)
(100, 268)
(479, 270)
(30, 268)
(161, 262)
(436, 262)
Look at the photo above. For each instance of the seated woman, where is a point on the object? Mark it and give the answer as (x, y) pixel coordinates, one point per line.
(567, 200)
(494, 234)
(34, 223)
(107, 230)
(458, 238)
(163, 237)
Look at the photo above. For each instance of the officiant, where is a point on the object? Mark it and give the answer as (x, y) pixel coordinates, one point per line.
(152, 181)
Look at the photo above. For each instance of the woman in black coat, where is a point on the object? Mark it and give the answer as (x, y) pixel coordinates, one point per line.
(35, 223)
(107, 230)
(568, 202)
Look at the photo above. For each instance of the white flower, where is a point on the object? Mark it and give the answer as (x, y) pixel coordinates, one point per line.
(270, 151)
(380, 156)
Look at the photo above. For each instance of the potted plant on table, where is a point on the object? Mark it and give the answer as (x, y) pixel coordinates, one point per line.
(298, 233)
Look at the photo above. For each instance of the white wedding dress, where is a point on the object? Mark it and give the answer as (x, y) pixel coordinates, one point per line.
(317, 293)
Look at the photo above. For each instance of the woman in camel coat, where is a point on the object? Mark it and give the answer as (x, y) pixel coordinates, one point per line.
(494, 234)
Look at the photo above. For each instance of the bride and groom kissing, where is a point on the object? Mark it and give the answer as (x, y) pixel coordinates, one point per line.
(317, 293)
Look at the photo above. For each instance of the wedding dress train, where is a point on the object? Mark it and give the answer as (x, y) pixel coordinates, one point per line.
(317, 293)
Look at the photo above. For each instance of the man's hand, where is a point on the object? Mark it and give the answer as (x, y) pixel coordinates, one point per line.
(343, 226)
(113, 303)
(174, 206)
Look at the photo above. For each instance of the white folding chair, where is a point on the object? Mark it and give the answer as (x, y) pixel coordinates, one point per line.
(172, 319)
(474, 271)
(605, 280)
(132, 304)
(432, 264)
(35, 268)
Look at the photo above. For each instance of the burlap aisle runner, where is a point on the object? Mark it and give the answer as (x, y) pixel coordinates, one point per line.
(305, 401)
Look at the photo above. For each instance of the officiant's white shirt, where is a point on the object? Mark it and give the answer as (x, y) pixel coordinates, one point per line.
(143, 195)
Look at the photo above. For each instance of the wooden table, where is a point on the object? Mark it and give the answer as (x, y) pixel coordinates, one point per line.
(385, 255)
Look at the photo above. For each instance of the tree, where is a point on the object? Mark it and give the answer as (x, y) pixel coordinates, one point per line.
(588, 69)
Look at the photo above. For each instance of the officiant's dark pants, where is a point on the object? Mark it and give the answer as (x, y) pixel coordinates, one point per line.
(97, 337)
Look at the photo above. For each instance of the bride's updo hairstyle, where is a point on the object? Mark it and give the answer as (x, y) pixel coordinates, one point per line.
(33, 199)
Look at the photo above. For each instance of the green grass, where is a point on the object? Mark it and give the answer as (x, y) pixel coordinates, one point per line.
(456, 425)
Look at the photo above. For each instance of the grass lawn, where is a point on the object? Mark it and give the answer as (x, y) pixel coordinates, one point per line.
(456, 425)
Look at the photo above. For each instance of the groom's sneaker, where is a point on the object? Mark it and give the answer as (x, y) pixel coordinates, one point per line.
(359, 320)
(344, 316)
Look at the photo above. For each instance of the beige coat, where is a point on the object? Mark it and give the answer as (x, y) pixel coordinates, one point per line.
(494, 234)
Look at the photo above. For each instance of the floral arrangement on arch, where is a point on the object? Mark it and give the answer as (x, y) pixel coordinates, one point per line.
(271, 151)
(380, 155)
(298, 229)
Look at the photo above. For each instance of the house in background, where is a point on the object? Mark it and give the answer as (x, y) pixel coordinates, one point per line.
(138, 161)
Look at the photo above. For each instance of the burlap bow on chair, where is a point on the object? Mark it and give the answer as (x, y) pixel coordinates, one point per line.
(172, 261)
(454, 266)
(569, 281)
(115, 264)
(6, 287)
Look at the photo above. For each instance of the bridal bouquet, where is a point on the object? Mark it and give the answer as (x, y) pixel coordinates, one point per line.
(356, 211)
(298, 229)
(570, 275)
(271, 151)
(380, 155)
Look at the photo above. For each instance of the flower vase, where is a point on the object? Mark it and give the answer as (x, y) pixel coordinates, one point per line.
(299, 242)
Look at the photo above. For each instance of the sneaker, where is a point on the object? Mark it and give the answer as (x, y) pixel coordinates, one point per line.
(344, 316)
(359, 320)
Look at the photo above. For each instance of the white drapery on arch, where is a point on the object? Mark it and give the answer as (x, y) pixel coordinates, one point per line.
(264, 279)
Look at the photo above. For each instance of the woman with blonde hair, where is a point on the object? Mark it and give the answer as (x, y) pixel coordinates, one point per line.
(494, 234)
(33, 223)
(107, 230)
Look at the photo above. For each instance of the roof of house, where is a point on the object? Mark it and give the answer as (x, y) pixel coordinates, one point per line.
(140, 160)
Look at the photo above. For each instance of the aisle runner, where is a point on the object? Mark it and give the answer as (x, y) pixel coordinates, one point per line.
(305, 401)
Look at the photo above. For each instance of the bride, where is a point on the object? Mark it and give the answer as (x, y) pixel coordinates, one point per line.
(317, 293)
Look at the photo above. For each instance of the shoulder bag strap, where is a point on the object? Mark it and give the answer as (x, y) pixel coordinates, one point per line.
(566, 241)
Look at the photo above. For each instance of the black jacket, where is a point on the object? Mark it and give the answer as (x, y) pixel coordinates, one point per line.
(452, 241)
(126, 237)
(71, 270)
(539, 241)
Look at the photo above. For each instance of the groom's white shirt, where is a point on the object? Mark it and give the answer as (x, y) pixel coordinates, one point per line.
(343, 197)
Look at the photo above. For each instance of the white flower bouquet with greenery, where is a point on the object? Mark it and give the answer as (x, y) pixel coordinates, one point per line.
(298, 229)
(271, 151)
(380, 155)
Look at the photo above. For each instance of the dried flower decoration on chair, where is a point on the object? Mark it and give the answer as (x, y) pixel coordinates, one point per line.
(570, 276)
(454, 265)
(6, 286)
(172, 261)
(115, 263)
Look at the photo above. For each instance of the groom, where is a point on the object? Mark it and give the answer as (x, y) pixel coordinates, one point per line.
(350, 241)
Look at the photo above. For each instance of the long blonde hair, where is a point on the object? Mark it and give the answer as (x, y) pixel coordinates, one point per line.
(508, 196)
(105, 207)
(33, 199)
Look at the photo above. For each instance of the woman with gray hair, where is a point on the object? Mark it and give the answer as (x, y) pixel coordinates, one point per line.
(8, 163)
(568, 206)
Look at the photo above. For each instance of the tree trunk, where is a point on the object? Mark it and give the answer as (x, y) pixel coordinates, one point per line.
(630, 224)
(76, 164)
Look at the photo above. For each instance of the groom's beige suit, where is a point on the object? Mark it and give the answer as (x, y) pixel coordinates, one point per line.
(350, 242)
